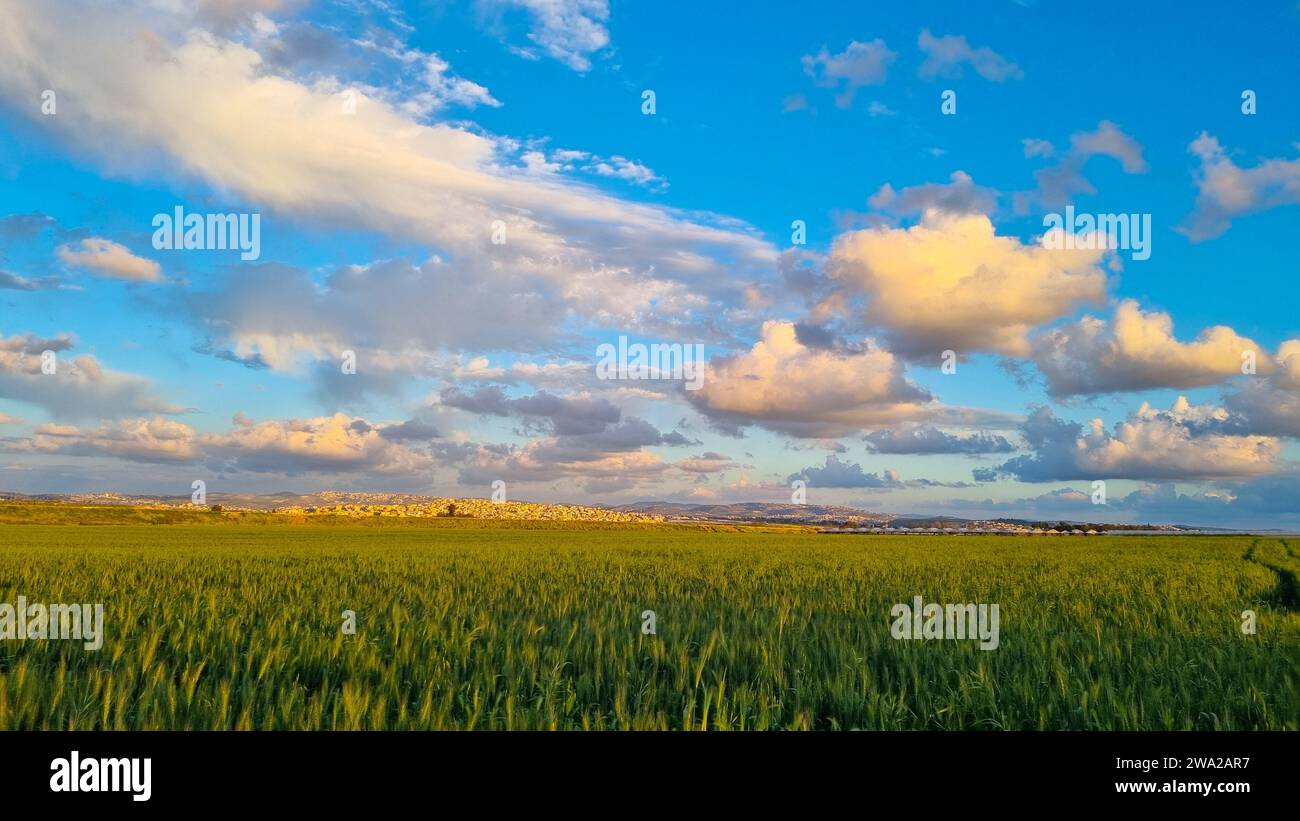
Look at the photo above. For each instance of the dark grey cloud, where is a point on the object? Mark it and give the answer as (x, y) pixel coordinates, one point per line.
(566, 416)
(814, 336)
(926, 439)
(1266, 408)
(410, 430)
(677, 439)
(254, 362)
(836, 473)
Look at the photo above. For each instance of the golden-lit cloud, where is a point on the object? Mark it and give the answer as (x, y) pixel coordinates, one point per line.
(1138, 350)
(783, 384)
(952, 283)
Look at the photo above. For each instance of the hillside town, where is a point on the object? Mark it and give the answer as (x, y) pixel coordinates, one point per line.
(471, 508)
(828, 519)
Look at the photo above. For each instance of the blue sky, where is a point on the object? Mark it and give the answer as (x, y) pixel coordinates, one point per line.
(475, 360)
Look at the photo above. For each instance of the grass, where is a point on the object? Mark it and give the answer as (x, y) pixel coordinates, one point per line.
(467, 626)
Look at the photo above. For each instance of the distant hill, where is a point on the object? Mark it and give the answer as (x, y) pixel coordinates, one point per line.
(409, 505)
(755, 512)
(842, 516)
(350, 505)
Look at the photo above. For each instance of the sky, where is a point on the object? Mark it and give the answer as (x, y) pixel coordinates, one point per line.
(872, 223)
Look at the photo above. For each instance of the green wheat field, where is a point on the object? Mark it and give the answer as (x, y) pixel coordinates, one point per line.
(470, 625)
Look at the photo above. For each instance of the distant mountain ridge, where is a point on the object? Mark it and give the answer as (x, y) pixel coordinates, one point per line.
(734, 512)
(755, 512)
(843, 516)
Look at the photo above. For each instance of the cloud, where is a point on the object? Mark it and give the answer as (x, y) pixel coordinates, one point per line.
(836, 473)
(329, 444)
(446, 89)
(960, 196)
(283, 318)
(14, 282)
(1268, 495)
(32, 344)
(79, 388)
(278, 316)
(567, 30)
(1038, 148)
(26, 226)
(860, 64)
(302, 46)
(421, 83)
(1271, 405)
(229, 13)
(342, 445)
(1246, 503)
(1288, 359)
(846, 474)
(1185, 443)
(1061, 183)
(946, 56)
(1225, 190)
(1265, 409)
(138, 440)
(1137, 350)
(1224, 504)
(108, 258)
(927, 439)
(951, 283)
(568, 247)
(565, 416)
(784, 385)
(412, 430)
(630, 435)
(547, 460)
(624, 169)
(291, 447)
(710, 462)
(677, 439)
(254, 362)
(614, 167)
(561, 374)
(582, 431)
